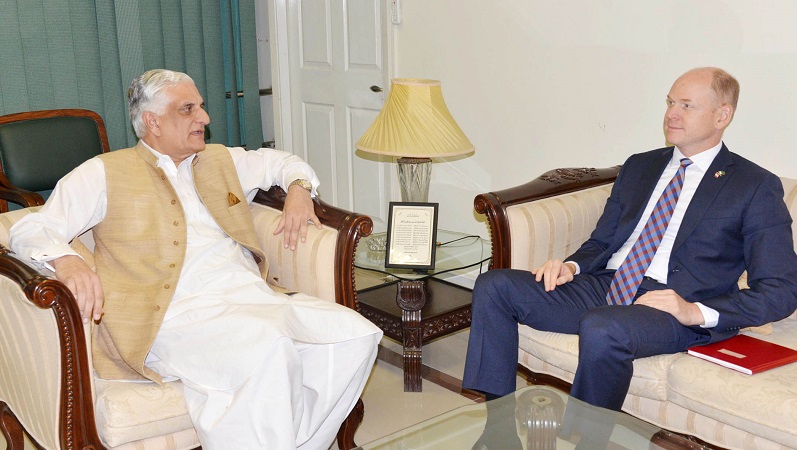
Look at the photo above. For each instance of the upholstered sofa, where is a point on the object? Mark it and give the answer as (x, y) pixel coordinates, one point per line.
(47, 385)
(550, 217)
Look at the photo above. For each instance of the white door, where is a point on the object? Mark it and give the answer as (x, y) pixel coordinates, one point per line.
(338, 81)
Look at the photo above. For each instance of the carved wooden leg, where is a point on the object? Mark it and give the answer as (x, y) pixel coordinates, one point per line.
(11, 428)
(411, 297)
(349, 426)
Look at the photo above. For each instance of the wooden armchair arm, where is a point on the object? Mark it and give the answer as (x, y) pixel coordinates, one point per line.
(349, 226)
(19, 196)
(552, 183)
(46, 377)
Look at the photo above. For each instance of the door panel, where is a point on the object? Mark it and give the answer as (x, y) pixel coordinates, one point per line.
(337, 52)
(319, 125)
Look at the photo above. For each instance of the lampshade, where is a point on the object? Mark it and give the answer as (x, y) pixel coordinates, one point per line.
(415, 123)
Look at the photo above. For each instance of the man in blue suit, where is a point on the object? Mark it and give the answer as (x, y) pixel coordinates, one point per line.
(729, 217)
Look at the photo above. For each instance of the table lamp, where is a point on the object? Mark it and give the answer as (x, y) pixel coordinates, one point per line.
(415, 126)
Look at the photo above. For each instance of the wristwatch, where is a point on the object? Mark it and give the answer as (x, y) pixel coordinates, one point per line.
(303, 183)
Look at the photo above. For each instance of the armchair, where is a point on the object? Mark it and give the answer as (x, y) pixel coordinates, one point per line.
(38, 148)
(47, 385)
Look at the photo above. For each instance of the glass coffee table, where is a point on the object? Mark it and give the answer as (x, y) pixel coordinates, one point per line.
(541, 418)
(414, 307)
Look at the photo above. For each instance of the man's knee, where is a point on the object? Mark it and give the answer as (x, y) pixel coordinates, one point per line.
(601, 333)
(489, 286)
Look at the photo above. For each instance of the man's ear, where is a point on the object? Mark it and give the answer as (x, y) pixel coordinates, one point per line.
(151, 122)
(725, 116)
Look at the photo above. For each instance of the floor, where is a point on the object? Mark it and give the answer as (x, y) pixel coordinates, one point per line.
(388, 408)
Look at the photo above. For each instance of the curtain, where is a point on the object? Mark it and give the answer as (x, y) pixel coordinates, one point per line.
(84, 54)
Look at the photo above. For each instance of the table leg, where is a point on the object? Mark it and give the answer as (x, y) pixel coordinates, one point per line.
(411, 297)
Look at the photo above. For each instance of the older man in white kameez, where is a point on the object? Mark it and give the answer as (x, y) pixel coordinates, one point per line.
(178, 291)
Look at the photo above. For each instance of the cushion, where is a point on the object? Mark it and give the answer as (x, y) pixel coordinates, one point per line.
(764, 404)
(128, 411)
(307, 268)
(561, 352)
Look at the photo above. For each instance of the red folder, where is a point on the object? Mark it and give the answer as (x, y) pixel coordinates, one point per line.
(745, 353)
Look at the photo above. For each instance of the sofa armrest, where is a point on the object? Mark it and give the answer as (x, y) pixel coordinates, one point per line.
(546, 217)
(323, 266)
(45, 378)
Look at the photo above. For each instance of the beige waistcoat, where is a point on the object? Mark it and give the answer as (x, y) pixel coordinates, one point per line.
(140, 247)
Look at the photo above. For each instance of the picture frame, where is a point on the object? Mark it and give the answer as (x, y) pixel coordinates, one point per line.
(411, 235)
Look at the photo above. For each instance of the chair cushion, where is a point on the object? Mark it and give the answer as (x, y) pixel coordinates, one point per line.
(63, 142)
(561, 352)
(133, 411)
(764, 404)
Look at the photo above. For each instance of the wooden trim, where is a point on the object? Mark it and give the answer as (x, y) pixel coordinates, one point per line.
(50, 113)
(76, 422)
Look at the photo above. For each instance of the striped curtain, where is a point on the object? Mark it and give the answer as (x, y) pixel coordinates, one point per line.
(85, 53)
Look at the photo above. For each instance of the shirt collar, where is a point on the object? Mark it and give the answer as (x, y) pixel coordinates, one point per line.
(165, 160)
(702, 160)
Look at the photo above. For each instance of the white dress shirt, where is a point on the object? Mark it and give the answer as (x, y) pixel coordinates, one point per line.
(659, 266)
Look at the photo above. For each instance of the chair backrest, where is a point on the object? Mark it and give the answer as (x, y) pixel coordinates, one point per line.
(38, 148)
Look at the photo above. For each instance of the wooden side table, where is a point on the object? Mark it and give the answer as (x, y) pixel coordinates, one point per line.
(417, 307)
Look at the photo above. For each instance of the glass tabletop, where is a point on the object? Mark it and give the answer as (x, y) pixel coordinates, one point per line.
(534, 417)
(455, 251)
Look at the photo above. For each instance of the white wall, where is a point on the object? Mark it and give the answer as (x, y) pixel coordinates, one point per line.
(541, 84)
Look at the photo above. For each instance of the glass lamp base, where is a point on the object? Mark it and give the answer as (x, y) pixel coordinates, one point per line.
(414, 176)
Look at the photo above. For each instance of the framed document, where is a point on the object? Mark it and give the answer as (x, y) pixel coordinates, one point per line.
(411, 235)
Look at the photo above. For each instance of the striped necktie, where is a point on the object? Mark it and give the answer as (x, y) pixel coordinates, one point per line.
(629, 275)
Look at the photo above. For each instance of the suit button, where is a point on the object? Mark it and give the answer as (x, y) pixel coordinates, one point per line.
(171, 266)
(157, 307)
(175, 223)
(176, 243)
(174, 202)
(165, 286)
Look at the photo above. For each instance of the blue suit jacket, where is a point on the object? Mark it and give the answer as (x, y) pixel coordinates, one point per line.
(734, 222)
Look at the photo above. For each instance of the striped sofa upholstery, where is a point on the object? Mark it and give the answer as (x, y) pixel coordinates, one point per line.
(549, 218)
(140, 415)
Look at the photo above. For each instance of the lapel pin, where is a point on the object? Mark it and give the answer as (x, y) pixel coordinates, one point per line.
(719, 173)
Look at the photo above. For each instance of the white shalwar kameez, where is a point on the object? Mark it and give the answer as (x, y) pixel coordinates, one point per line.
(261, 370)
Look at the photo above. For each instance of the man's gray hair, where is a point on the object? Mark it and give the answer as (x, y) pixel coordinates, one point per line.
(145, 95)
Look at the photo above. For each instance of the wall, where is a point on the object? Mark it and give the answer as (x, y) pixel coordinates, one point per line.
(540, 84)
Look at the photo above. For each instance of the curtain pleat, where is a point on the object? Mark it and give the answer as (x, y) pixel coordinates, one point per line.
(85, 53)
(114, 85)
(213, 55)
(13, 84)
(253, 126)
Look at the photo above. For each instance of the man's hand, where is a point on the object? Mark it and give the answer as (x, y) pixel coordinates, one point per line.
(669, 301)
(555, 273)
(298, 210)
(84, 284)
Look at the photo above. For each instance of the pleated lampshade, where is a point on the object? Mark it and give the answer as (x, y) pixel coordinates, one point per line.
(415, 123)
